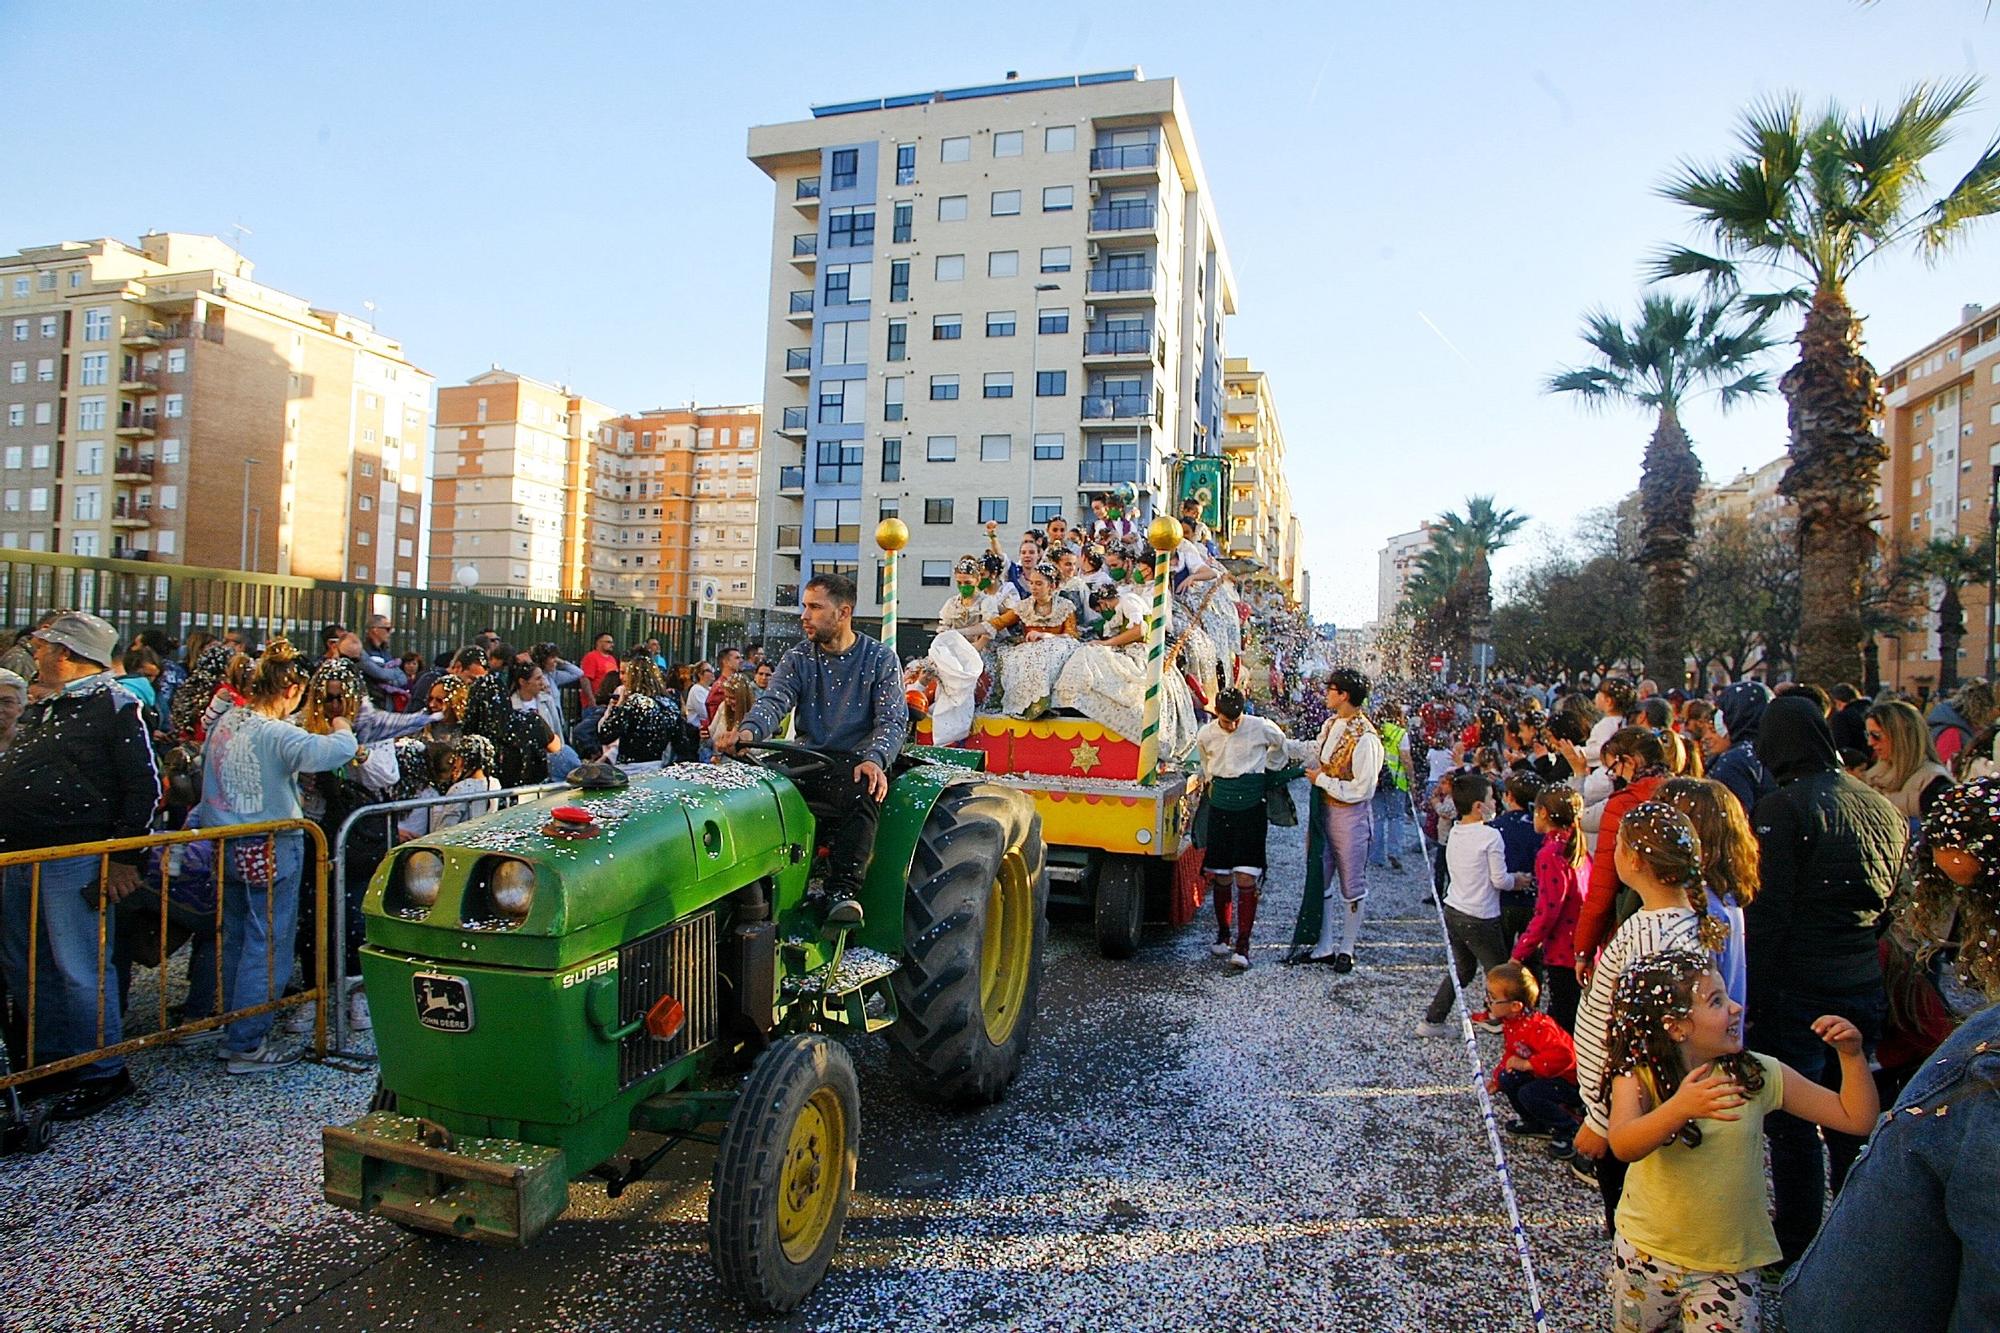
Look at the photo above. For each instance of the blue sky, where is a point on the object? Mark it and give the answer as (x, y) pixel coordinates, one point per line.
(562, 190)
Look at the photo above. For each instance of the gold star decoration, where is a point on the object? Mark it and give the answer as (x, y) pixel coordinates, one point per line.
(1084, 757)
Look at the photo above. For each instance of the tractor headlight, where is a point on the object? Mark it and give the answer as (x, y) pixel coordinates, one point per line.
(512, 888)
(423, 875)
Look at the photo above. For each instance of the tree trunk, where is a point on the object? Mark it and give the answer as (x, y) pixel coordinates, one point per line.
(1833, 400)
(1668, 482)
(1951, 633)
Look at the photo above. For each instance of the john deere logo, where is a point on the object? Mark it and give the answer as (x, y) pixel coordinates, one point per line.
(443, 1003)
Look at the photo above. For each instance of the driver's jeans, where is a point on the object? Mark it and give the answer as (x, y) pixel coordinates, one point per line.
(847, 816)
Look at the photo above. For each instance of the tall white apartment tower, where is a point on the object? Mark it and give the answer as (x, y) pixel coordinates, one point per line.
(986, 303)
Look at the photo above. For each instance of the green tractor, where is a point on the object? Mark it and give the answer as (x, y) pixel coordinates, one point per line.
(548, 979)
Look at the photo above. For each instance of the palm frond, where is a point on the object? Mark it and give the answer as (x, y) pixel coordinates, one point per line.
(1977, 195)
(1718, 276)
(1595, 387)
(1753, 385)
(1764, 305)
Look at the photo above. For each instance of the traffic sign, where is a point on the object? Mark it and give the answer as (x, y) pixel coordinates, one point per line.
(1437, 664)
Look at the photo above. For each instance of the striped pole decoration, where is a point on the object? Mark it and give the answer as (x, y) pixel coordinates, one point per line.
(1164, 534)
(892, 535)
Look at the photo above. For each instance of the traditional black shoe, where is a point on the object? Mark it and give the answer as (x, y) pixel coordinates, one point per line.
(1343, 962)
(845, 913)
(92, 1095)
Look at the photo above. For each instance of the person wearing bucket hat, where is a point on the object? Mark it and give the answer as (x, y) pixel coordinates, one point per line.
(80, 770)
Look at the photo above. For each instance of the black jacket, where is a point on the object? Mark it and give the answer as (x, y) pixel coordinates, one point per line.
(1742, 707)
(1829, 851)
(80, 770)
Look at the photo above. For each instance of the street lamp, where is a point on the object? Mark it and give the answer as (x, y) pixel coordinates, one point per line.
(243, 550)
(1035, 388)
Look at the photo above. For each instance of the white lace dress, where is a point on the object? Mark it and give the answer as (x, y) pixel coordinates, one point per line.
(1108, 685)
(1029, 668)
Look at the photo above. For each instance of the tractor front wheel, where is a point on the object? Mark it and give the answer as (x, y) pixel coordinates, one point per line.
(975, 919)
(784, 1173)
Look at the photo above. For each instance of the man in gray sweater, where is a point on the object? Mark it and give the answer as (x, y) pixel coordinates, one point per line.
(845, 692)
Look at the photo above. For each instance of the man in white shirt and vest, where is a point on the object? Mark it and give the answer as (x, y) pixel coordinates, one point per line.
(1347, 760)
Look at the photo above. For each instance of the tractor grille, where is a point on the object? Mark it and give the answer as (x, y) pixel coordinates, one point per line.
(678, 961)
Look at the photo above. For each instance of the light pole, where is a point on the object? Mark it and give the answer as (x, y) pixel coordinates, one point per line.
(1992, 565)
(243, 550)
(1035, 388)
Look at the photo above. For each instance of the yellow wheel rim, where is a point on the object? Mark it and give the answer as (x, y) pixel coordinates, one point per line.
(809, 1181)
(1006, 953)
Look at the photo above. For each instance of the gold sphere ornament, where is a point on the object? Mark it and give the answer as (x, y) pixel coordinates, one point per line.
(1164, 533)
(892, 534)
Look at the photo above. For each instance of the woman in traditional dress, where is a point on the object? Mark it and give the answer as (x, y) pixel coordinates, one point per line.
(1030, 668)
(1105, 680)
(1203, 593)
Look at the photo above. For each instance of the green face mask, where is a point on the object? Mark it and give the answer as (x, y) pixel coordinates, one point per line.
(966, 589)
(1118, 575)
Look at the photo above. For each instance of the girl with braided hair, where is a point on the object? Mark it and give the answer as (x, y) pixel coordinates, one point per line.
(1105, 680)
(1688, 1105)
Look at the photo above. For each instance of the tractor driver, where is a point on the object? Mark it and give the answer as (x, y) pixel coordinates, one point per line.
(845, 692)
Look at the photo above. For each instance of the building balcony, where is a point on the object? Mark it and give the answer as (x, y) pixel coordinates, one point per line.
(1108, 409)
(799, 307)
(1136, 161)
(798, 363)
(788, 539)
(791, 481)
(805, 194)
(128, 467)
(1244, 506)
(139, 381)
(143, 335)
(1117, 286)
(1240, 405)
(805, 249)
(793, 423)
(1106, 347)
(1244, 474)
(120, 551)
(1110, 471)
(785, 595)
(1239, 439)
(1119, 219)
(124, 515)
(137, 425)
(1246, 544)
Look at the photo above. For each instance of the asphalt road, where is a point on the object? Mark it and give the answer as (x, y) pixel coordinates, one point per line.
(1186, 1148)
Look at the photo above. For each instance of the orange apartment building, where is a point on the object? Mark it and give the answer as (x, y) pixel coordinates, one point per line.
(1941, 423)
(674, 518)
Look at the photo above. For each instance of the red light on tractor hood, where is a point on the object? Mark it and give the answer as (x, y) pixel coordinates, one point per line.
(664, 1019)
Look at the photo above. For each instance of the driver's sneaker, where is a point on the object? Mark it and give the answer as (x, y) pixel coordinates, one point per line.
(845, 914)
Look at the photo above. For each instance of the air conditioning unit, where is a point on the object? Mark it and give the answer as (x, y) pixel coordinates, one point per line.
(1096, 188)
(1090, 251)
(1090, 314)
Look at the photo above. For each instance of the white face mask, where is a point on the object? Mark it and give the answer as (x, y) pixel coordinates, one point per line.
(1721, 727)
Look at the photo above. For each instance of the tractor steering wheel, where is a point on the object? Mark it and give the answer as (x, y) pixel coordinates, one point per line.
(809, 760)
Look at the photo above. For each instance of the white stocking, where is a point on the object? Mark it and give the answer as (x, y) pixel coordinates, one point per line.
(1353, 930)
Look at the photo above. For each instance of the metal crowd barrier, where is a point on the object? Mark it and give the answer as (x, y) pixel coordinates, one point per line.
(316, 995)
(390, 812)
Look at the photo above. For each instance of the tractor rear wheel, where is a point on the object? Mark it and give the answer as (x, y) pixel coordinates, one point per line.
(784, 1173)
(975, 918)
(1119, 908)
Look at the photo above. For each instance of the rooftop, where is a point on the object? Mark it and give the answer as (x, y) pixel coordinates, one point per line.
(1010, 85)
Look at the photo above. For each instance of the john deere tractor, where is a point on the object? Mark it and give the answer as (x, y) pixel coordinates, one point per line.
(650, 957)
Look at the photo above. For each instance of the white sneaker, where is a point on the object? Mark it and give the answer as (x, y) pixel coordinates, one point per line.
(1426, 1028)
(299, 1020)
(1238, 963)
(264, 1059)
(358, 1019)
(1222, 948)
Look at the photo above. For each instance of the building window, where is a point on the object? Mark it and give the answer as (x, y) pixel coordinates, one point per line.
(1052, 321)
(905, 212)
(892, 458)
(844, 168)
(892, 398)
(1048, 445)
(999, 323)
(899, 339)
(937, 511)
(1044, 508)
(995, 448)
(38, 456)
(172, 406)
(177, 360)
(837, 521)
(941, 449)
(944, 388)
(20, 286)
(170, 450)
(89, 503)
(850, 228)
(18, 373)
(839, 462)
(951, 208)
(1059, 139)
(45, 370)
(951, 268)
(993, 511)
(946, 328)
(906, 163)
(957, 149)
(1055, 259)
(998, 384)
(89, 458)
(1006, 203)
(364, 538)
(44, 414)
(1003, 263)
(170, 497)
(365, 503)
(1058, 198)
(96, 324)
(843, 344)
(887, 507)
(1007, 143)
(89, 414)
(848, 284)
(935, 573)
(1051, 383)
(38, 499)
(17, 414)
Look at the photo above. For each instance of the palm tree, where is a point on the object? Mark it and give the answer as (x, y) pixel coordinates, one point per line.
(1674, 349)
(1808, 202)
(1951, 563)
(1452, 585)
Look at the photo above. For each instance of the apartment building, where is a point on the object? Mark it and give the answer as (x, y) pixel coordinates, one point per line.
(511, 494)
(1394, 564)
(674, 494)
(1261, 524)
(163, 404)
(1941, 424)
(1751, 495)
(986, 303)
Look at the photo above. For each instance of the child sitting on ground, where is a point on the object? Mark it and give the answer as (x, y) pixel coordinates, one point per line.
(1562, 873)
(1537, 1068)
(1687, 1111)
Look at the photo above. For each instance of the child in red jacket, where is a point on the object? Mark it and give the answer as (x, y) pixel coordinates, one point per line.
(1562, 869)
(1537, 1068)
